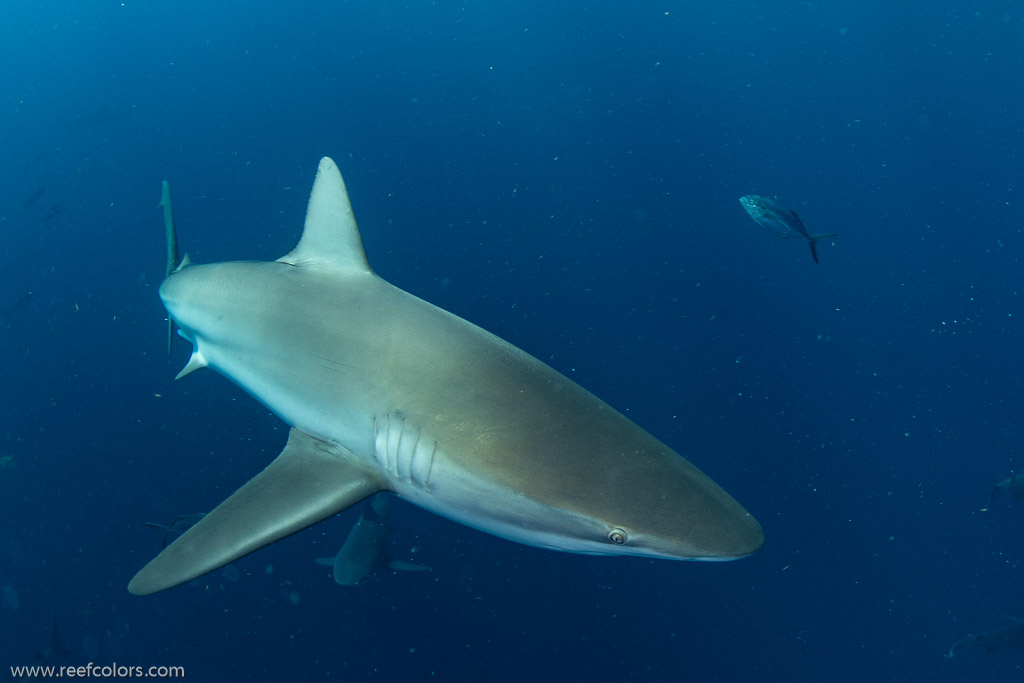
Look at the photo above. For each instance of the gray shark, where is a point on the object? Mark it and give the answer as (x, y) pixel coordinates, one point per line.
(1014, 485)
(1008, 638)
(780, 221)
(386, 392)
(365, 548)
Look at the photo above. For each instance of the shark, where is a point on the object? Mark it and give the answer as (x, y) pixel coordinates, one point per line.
(385, 392)
(1006, 638)
(780, 221)
(365, 548)
(1013, 485)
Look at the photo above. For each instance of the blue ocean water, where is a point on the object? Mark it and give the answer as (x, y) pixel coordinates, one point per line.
(565, 175)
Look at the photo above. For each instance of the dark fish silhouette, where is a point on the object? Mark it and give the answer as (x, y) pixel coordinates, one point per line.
(102, 116)
(176, 528)
(780, 221)
(53, 651)
(35, 160)
(5, 313)
(33, 198)
(1014, 485)
(1009, 638)
(56, 209)
(365, 549)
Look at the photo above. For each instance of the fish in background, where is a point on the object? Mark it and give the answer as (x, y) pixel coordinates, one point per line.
(33, 162)
(10, 597)
(176, 528)
(365, 549)
(33, 198)
(1013, 485)
(56, 209)
(1008, 638)
(5, 313)
(780, 221)
(54, 650)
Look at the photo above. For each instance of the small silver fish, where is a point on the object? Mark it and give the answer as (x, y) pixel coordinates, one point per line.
(780, 221)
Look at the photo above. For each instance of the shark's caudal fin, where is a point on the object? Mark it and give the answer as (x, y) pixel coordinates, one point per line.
(309, 481)
(173, 261)
(813, 241)
(172, 237)
(330, 237)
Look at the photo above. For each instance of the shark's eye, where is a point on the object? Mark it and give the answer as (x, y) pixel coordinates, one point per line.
(617, 536)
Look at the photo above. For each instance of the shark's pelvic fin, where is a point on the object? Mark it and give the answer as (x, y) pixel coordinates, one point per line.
(195, 362)
(309, 481)
(330, 238)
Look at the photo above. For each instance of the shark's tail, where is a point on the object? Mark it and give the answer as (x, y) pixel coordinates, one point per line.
(813, 241)
(173, 260)
(172, 238)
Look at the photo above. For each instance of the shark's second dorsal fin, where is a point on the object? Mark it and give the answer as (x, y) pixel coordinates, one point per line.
(330, 238)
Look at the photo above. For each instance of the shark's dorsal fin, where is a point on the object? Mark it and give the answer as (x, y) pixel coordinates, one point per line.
(330, 238)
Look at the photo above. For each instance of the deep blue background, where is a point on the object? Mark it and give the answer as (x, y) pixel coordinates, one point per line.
(566, 176)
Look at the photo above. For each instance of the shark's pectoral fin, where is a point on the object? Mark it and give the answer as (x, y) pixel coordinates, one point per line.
(309, 481)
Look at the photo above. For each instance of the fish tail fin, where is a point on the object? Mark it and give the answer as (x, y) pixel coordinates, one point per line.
(996, 492)
(813, 241)
(814, 250)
